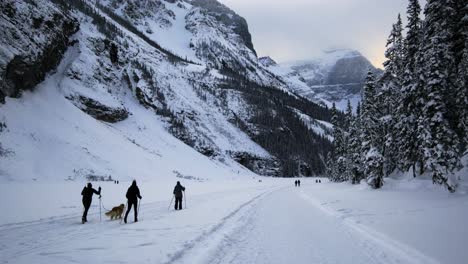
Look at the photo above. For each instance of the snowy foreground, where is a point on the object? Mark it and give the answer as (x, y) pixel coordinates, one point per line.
(238, 221)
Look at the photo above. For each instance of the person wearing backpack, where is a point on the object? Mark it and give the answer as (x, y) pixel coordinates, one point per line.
(133, 194)
(87, 194)
(178, 194)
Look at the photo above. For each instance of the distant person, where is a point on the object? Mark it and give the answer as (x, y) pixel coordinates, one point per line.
(299, 183)
(133, 193)
(178, 189)
(320, 181)
(87, 194)
(295, 183)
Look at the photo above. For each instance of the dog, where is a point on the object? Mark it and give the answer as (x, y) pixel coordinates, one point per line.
(116, 212)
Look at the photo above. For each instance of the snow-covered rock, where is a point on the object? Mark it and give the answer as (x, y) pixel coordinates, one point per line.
(33, 39)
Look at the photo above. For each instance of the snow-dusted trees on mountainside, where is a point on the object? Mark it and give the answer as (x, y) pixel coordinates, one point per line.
(415, 116)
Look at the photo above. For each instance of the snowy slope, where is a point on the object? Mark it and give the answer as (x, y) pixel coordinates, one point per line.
(74, 145)
(164, 22)
(322, 128)
(205, 32)
(111, 72)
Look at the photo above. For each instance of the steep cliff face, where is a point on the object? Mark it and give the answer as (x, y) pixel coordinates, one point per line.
(33, 39)
(228, 18)
(334, 77)
(131, 76)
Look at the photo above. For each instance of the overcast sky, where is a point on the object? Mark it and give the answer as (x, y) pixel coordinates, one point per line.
(290, 30)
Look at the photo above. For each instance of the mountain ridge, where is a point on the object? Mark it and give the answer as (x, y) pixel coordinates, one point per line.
(333, 77)
(225, 106)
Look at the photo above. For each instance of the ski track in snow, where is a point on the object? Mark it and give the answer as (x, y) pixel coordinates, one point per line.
(63, 239)
(261, 224)
(371, 240)
(217, 232)
(252, 236)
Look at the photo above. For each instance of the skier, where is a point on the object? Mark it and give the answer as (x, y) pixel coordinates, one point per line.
(132, 194)
(178, 189)
(299, 183)
(295, 183)
(87, 194)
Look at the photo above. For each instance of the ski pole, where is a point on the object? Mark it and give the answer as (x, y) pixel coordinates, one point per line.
(138, 211)
(82, 217)
(100, 205)
(123, 212)
(185, 201)
(169, 207)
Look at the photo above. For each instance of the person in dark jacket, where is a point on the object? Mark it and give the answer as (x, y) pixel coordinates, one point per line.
(299, 183)
(178, 189)
(87, 194)
(133, 193)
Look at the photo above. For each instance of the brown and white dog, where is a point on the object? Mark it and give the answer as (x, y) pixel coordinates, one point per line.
(116, 212)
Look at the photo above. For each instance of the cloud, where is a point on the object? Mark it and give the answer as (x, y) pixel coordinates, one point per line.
(301, 29)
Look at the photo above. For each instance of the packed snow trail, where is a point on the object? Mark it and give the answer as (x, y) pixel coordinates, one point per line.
(159, 237)
(288, 226)
(241, 222)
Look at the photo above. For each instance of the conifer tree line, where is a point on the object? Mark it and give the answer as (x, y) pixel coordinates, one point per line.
(414, 117)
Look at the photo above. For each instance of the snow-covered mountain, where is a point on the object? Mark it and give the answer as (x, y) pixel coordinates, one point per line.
(335, 76)
(137, 88)
(202, 31)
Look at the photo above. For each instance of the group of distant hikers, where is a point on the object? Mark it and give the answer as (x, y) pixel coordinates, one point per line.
(297, 183)
(133, 194)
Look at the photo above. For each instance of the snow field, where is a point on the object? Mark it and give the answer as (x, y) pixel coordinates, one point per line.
(162, 235)
(237, 220)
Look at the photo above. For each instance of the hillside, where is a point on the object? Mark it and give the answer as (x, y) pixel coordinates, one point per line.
(119, 85)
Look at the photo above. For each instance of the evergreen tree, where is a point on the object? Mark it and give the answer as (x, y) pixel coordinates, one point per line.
(339, 148)
(462, 94)
(354, 164)
(371, 135)
(329, 162)
(389, 94)
(413, 38)
(348, 115)
(358, 109)
(395, 50)
(460, 48)
(456, 28)
(409, 107)
(439, 141)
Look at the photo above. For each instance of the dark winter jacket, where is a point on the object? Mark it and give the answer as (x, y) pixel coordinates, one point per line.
(88, 193)
(133, 192)
(178, 189)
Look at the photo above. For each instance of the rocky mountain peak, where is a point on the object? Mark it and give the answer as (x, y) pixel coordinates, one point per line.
(267, 61)
(334, 76)
(227, 17)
